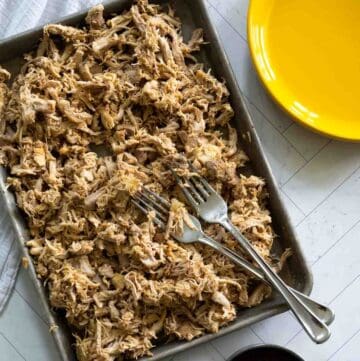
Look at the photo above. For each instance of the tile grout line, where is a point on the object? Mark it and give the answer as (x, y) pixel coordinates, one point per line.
(5, 263)
(328, 196)
(277, 130)
(266, 117)
(13, 346)
(295, 225)
(292, 338)
(288, 127)
(348, 340)
(327, 141)
(344, 289)
(255, 333)
(331, 301)
(216, 350)
(307, 161)
(226, 20)
(295, 205)
(336, 242)
(30, 306)
(341, 347)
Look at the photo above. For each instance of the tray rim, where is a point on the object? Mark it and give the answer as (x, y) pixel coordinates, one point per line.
(265, 310)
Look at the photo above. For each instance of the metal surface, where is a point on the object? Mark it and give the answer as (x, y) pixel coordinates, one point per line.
(193, 14)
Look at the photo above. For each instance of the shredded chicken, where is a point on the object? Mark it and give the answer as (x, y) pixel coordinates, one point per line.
(95, 114)
(25, 262)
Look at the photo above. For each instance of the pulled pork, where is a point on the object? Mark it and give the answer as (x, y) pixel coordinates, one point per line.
(94, 114)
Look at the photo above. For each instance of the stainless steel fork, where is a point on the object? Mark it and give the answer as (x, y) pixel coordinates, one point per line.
(147, 201)
(212, 208)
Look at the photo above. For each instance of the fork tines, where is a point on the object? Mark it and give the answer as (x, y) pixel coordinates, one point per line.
(196, 188)
(148, 201)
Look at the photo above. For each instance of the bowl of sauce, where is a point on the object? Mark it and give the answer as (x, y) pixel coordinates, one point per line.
(265, 353)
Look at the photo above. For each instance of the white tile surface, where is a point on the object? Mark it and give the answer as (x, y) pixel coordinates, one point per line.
(331, 219)
(283, 157)
(24, 287)
(10, 352)
(201, 353)
(323, 174)
(305, 141)
(346, 266)
(277, 330)
(26, 331)
(229, 344)
(347, 309)
(321, 185)
(295, 213)
(234, 12)
(350, 350)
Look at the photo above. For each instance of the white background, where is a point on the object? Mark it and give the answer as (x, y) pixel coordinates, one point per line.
(319, 179)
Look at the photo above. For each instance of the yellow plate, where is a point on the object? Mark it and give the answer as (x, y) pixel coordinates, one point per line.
(307, 53)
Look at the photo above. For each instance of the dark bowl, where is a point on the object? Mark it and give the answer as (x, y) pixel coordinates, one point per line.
(265, 352)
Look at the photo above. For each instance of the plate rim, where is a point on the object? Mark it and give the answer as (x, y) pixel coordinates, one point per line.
(277, 99)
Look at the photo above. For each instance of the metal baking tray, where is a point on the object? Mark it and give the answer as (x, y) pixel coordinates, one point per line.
(193, 14)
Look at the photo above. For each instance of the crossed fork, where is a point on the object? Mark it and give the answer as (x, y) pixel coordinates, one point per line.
(212, 208)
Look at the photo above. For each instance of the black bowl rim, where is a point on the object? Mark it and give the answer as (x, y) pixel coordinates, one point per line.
(262, 345)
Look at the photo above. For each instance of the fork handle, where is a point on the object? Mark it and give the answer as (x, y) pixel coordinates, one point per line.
(314, 327)
(324, 313)
(233, 256)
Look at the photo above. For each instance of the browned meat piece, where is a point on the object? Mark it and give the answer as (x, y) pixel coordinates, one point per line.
(95, 17)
